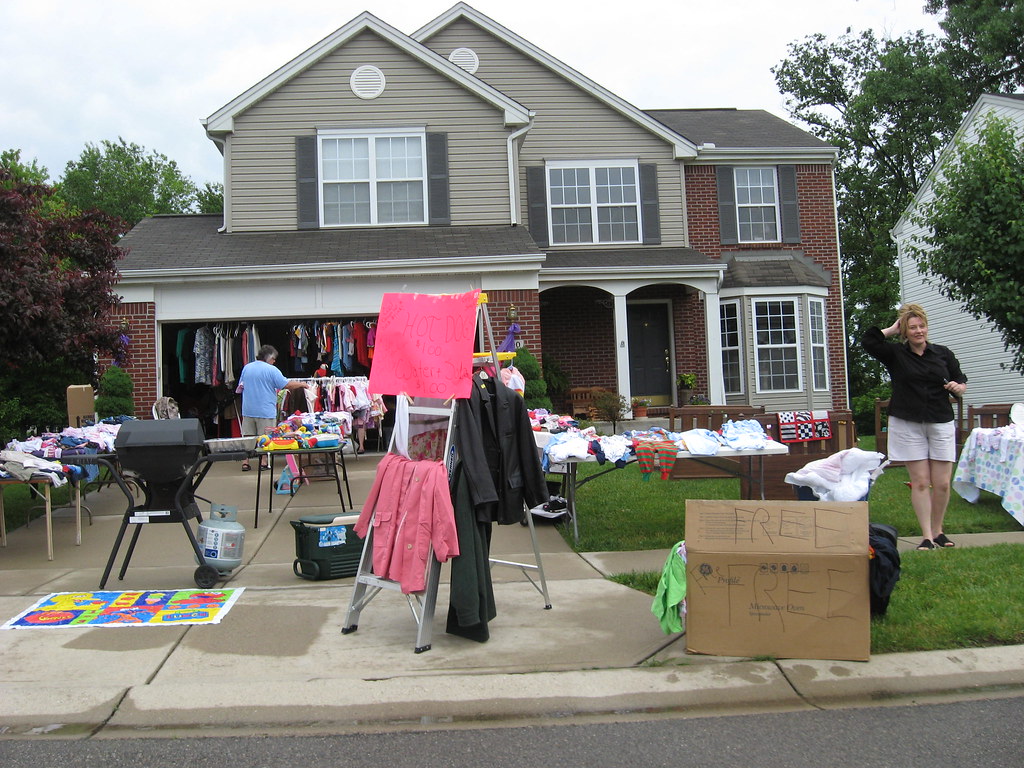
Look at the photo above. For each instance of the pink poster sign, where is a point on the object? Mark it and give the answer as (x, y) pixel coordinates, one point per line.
(424, 345)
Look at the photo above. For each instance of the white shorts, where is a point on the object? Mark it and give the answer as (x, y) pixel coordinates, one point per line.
(915, 441)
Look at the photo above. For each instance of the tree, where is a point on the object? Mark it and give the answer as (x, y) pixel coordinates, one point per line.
(210, 198)
(29, 173)
(57, 273)
(125, 181)
(984, 41)
(974, 230)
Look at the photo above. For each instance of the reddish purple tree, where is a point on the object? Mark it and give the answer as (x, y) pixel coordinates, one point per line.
(57, 276)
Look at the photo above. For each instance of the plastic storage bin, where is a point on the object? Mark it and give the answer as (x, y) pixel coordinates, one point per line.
(326, 547)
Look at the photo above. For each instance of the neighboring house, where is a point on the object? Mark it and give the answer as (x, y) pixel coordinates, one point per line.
(977, 345)
(634, 244)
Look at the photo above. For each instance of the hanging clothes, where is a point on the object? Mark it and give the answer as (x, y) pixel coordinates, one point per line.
(411, 510)
(496, 443)
(203, 349)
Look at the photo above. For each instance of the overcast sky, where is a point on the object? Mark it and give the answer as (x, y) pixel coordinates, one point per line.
(81, 71)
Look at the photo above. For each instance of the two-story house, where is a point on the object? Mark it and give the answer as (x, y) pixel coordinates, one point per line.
(633, 245)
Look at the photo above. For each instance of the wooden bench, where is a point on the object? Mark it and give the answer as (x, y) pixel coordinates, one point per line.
(708, 416)
(988, 416)
(582, 401)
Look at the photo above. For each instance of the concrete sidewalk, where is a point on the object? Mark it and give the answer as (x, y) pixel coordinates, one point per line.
(280, 661)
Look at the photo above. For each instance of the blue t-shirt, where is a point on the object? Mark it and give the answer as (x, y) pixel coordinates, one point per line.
(260, 381)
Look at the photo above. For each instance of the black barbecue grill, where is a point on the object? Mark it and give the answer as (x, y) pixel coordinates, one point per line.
(166, 458)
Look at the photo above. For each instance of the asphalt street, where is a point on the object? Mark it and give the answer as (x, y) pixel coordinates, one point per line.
(981, 733)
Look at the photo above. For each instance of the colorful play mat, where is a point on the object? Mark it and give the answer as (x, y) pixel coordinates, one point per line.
(151, 608)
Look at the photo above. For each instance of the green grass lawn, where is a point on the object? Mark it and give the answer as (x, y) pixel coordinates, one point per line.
(959, 598)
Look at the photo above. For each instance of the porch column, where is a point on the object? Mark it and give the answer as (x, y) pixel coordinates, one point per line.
(622, 347)
(713, 324)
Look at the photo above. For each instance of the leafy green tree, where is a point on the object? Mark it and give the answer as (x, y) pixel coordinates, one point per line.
(984, 46)
(210, 198)
(974, 230)
(126, 181)
(28, 173)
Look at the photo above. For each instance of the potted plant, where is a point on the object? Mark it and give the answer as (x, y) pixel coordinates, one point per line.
(686, 383)
(639, 405)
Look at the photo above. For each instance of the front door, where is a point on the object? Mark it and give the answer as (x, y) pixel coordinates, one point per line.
(649, 344)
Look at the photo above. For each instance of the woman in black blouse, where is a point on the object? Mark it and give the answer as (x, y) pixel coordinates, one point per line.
(921, 429)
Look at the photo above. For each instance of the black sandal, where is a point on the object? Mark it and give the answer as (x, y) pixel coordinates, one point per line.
(943, 541)
(926, 544)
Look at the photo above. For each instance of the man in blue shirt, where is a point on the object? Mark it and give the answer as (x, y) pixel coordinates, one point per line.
(260, 381)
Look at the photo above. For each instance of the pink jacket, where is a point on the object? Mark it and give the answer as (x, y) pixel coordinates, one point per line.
(411, 510)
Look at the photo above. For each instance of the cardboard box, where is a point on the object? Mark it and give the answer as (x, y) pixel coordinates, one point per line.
(81, 404)
(787, 579)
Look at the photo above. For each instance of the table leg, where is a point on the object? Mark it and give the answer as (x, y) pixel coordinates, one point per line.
(3, 520)
(78, 512)
(49, 522)
(259, 478)
(344, 474)
(570, 501)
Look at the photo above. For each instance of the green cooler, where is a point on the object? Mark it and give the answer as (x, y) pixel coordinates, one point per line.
(326, 547)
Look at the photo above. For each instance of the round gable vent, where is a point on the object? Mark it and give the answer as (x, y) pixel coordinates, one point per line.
(465, 58)
(367, 82)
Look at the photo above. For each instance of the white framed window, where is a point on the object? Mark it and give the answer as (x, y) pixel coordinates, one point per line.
(816, 332)
(594, 202)
(370, 178)
(757, 205)
(732, 358)
(776, 344)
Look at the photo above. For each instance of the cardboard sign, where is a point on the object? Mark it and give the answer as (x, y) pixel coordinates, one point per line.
(424, 345)
(778, 578)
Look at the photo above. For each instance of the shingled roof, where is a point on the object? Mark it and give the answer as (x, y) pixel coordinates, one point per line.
(773, 269)
(193, 241)
(736, 128)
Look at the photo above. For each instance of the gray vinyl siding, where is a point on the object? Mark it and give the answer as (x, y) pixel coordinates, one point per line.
(976, 343)
(262, 149)
(570, 124)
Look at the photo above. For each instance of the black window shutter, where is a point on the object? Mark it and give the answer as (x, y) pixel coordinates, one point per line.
(727, 227)
(307, 183)
(438, 198)
(789, 208)
(537, 204)
(649, 204)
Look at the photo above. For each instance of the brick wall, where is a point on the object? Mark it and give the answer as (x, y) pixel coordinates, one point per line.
(527, 307)
(585, 348)
(141, 362)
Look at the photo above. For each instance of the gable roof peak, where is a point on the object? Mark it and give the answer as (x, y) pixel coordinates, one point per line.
(222, 121)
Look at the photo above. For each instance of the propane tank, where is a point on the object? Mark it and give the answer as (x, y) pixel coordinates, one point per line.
(222, 538)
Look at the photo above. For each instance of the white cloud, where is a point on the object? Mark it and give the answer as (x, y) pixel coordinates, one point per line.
(82, 72)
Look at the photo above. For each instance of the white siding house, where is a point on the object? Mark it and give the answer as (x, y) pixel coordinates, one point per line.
(977, 345)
